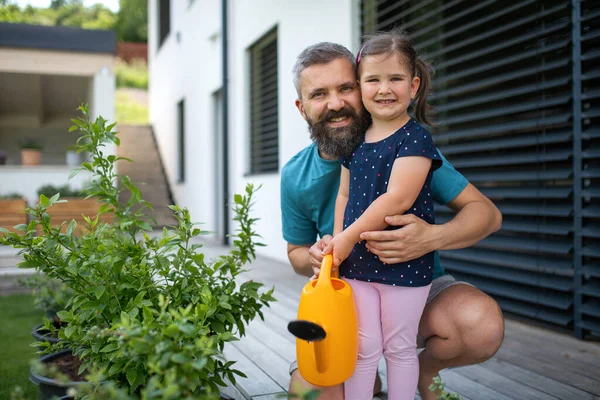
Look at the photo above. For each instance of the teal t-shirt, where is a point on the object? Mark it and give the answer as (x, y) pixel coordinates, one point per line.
(309, 186)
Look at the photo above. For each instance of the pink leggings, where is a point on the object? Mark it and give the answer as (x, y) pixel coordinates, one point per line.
(388, 321)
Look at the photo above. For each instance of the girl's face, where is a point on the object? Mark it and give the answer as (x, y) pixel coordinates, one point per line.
(387, 87)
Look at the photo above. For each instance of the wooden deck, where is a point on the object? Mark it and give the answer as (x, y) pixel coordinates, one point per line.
(533, 363)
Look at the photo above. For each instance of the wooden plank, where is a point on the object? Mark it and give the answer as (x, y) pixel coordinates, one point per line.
(266, 359)
(278, 342)
(457, 383)
(276, 396)
(521, 330)
(233, 392)
(580, 351)
(544, 367)
(257, 383)
(544, 384)
(570, 361)
(504, 385)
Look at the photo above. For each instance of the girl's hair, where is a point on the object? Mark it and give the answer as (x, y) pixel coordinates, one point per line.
(396, 42)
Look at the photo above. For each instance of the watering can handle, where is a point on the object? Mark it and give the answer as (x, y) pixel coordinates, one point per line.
(325, 273)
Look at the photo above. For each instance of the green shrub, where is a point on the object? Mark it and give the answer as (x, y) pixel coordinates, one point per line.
(64, 191)
(148, 312)
(12, 196)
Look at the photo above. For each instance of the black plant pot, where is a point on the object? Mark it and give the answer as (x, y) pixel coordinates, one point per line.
(43, 336)
(49, 388)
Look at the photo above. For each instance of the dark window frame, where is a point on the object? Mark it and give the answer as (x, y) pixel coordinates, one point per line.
(264, 105)
(164, 20)
(181, 141)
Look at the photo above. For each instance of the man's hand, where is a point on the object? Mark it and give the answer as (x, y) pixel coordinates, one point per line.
(414, 239)
(316, 253)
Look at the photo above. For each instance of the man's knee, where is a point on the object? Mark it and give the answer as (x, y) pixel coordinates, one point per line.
(480, 323)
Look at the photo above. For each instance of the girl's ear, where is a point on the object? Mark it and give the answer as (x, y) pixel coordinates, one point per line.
(414, 86)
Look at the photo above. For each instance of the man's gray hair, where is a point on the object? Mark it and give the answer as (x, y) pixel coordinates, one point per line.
(320, 53)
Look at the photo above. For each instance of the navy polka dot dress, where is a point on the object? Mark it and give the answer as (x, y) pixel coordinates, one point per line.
(370, 167)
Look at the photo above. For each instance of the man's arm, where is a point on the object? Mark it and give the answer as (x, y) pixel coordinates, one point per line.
(477, 217)
(300, 259)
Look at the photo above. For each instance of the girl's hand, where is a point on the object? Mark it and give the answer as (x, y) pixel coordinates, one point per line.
(341, 248)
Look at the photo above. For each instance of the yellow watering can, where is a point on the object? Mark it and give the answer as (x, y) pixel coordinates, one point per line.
(326, 329)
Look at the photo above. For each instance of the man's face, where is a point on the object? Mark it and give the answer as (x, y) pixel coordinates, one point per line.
(331, 105)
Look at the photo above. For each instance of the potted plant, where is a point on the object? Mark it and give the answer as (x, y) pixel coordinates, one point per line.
(31, 152)
(148, 312)
(49, 296)
(12, 210)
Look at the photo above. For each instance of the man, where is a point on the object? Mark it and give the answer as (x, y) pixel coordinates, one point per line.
(460, 324)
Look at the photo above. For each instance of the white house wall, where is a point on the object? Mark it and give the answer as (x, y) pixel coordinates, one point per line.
(192, 69)
(187, 66)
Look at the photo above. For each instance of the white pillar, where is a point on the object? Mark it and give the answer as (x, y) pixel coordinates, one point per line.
(102, 99)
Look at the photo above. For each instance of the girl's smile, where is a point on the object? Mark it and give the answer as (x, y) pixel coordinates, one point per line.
(387, 88)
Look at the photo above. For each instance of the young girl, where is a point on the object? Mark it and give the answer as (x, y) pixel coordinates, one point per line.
(388, 174)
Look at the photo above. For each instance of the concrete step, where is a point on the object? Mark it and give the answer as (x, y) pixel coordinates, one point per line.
(137, 143)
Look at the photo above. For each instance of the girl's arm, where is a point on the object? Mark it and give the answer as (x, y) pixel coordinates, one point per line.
(341, 201)
(406, 181)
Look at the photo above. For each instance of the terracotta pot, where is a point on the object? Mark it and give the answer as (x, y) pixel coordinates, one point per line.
(31, 157)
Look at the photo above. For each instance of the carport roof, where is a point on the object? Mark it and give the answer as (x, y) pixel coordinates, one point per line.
(57, 38)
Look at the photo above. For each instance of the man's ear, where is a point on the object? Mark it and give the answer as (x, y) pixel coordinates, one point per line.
(300, 108)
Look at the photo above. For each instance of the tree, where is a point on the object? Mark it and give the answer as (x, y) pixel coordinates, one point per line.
(132, 21)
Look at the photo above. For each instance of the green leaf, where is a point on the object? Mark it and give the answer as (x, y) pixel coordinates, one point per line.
(139, 298)
(87, 166)
(109, 348)
(44, 200)
(73, 128)
(147, 314)
(69, 330)
(63, 315)
(71, 230)
(99, 290)
(74, 172)
(237, 199)
(179, 358)
(21, 227)
(199, 364)
(131, 375)
(145, 226)
(187, 328)
(125, 318)
(217, 327)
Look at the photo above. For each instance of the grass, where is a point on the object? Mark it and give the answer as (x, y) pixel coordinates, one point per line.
(130, 112)
(18, 318)
(134, 75)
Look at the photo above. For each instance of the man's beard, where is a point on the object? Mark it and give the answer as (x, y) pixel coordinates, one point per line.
(339, 142)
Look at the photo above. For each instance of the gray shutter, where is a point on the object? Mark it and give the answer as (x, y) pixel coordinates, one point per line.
(503, 91)
(264, 143)
(589, 318)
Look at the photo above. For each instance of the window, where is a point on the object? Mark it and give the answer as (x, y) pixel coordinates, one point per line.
(164, 20)
(181, 141)
(264, 143)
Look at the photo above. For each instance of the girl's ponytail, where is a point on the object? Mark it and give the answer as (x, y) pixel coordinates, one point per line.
(423, 110)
